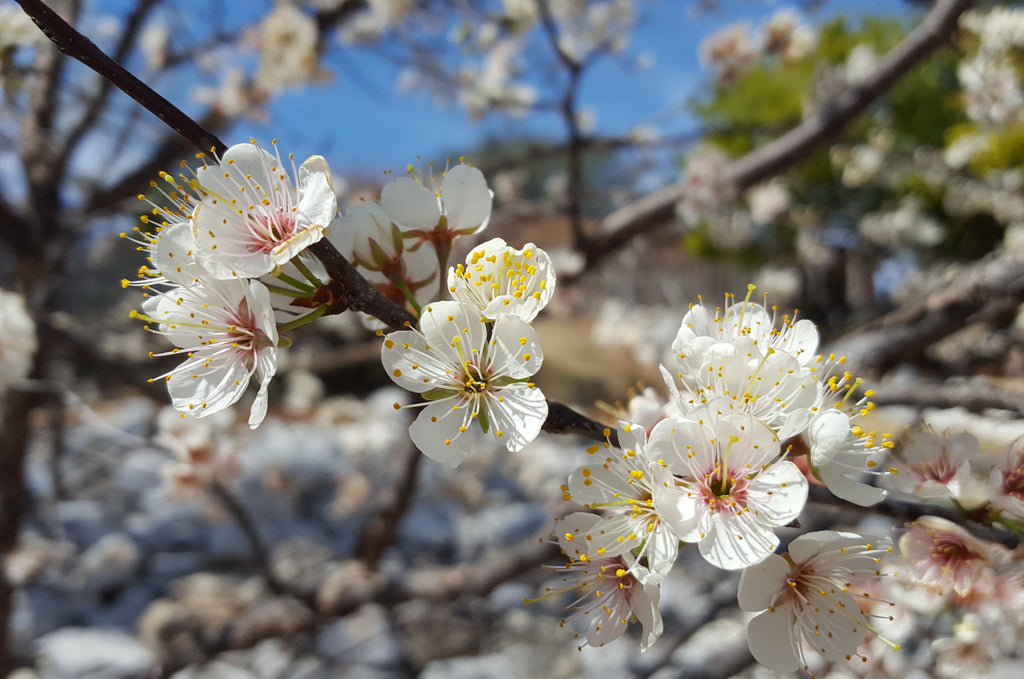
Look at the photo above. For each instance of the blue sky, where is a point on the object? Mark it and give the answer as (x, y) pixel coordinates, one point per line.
(387, 130)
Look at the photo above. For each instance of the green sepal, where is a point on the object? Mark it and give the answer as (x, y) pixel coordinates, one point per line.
(481, 417)
(437, 394)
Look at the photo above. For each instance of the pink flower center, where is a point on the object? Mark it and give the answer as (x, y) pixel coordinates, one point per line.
(271, 229)
(724, 492)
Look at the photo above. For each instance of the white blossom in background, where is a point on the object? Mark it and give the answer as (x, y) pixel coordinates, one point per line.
(768, 201)
(227, 331)
(18, 30)
(730, 51)
(972, 651)
(17, 339)
(861, 63)
(585, 27)
(459, 205)
(962, 149)
(730, 229)
(1006, 482)
(153, 43)
(941, 554)
(1000, 28)
(491, 85)
(806, 601)
(860, 164)
(607, 591)
(706, 185)
(621, 484)
(906, 225)
(787, 36)
(499, 279)
(991, 90)
(370, 24)
(234, 97)
(287, 43)
(470, 380)
(252, 218)
(731, 490)
(934, 465)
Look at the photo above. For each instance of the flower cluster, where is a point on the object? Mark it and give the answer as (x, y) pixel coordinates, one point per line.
(225, 259)
(473, 356)
(749, 397)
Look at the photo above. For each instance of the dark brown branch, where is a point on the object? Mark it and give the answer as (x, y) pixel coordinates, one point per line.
(75, 45)
(774, 157)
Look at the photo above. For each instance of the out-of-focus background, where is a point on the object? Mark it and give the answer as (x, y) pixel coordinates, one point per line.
(621, 136)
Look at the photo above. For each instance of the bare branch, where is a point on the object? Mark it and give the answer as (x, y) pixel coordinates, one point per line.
(774, 157)
(992, 285)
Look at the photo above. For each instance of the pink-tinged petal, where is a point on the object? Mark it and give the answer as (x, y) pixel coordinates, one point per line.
(737, 541)
(515, 349)
(222, 250)
(441, 432)
(780, 492)
(517, 413)
(410, 204)
(411, 365)
(467, 200)
(770, 637)
(760, 583)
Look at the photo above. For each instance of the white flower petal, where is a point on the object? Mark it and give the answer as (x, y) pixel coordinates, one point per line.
(439, 432)
(467, 200)
(760, 583)
(410, 204)
(518, 412)
(770, 637)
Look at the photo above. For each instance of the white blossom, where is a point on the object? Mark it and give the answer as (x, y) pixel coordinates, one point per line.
(622, 485)
(807, 601)
(468, 378)
(731, 490)
(499, 279)
(460, 205)
(608, 592)
(251, 218)
(228, 333)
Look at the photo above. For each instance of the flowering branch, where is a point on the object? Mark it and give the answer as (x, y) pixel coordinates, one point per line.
(659, 207)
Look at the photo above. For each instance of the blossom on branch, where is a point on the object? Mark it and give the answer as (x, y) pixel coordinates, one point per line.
(609, 592)
(228, 332)
(251, 218)
(469, 373)
(806, 601)
(730, 489)
(498, 279)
